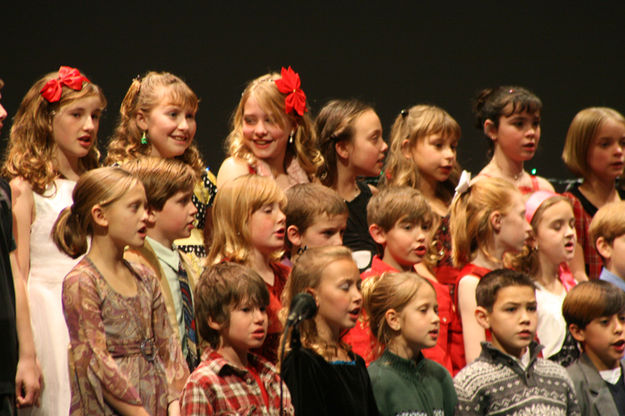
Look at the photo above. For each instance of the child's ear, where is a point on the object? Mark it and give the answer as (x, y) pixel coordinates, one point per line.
(482, 316)
(342, 149)
(98, 216)
(603, 248)
(577, 333)
(490, 130)
(214, 324)
(406, 149)
(313, 293)
(392, 319)
(142, 121)
(294, 236)
(495, 220)
(151, 217)
(378, 234)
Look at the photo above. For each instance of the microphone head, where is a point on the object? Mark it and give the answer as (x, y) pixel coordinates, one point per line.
(302, 307)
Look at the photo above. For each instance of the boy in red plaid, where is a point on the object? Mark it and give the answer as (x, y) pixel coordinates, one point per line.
(231, 316)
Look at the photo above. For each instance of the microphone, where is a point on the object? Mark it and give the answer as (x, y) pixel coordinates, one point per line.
(303, 307)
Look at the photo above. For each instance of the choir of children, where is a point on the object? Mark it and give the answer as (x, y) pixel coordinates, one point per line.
(184, 284)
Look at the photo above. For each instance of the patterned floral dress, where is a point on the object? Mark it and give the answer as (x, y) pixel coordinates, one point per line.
(123, 343)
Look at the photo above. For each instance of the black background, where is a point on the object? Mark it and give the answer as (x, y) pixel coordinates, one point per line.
(392, 55)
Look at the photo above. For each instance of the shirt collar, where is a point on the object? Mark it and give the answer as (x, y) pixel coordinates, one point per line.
(169, 256)
(608, 276)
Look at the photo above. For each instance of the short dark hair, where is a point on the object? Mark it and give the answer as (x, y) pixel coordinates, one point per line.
(489, 285)
(221, 287)
(592, 300)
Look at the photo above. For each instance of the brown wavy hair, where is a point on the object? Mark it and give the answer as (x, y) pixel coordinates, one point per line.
(143, 95)
(31, 147)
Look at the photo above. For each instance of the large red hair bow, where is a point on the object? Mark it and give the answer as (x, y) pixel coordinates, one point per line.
(290, 84)
(70, 77)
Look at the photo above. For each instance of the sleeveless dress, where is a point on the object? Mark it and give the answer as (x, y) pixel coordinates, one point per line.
(48, 267)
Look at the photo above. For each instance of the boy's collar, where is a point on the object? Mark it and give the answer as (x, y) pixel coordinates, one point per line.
(608, 276)
(494, 353)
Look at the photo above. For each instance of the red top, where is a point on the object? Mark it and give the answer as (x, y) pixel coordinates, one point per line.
(269, 350)
(456, 340)
(364, 343)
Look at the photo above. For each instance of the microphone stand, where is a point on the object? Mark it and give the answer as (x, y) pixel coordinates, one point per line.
(295, 344)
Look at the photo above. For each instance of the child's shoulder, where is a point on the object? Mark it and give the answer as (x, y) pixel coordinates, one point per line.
(550, 368)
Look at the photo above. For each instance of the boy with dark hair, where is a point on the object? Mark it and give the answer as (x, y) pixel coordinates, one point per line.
(231, 302)
(169, 187)
(595, 313)
(316, 216)
(508, 377)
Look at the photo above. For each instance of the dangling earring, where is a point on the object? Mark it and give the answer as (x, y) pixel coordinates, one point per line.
(144, 137)
(291, 136)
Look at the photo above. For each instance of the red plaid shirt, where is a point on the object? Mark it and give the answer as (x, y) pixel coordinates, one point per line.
(218, 387)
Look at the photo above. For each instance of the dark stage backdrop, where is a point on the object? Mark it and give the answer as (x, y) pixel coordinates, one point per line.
(392, 55)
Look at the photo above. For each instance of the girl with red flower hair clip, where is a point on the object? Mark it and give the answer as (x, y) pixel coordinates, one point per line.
(52, 142)
(272, 134)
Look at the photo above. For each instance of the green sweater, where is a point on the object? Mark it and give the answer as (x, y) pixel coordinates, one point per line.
(417, 387)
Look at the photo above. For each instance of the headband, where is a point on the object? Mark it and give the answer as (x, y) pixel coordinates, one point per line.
(290, 84)
(535, 201)
(69, 77)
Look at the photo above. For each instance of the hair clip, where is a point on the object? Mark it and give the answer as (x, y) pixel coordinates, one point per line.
(290, 84)
(69, 77)
(511, 91)
(404, 113)
(301, 250)
(464, 183)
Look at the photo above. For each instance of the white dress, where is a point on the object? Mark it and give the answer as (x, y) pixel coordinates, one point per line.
(551, 329)
(48, 267)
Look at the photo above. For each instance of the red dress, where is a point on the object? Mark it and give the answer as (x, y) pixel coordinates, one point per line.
(364, 343)
(456, 340)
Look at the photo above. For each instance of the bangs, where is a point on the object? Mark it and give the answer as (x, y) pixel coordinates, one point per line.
(612, 302)
(523, 103)
(122, 185)
(88, 90)
(270, 100)
(268, 192)
(179, 94)
(249, 292)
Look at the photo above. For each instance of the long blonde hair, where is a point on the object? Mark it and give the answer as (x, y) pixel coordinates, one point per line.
(30, 151)
(143, 95)
(101, 186)
(469, 224)
(414, 125)
(306, 274)
(234, 204)
(271, 100)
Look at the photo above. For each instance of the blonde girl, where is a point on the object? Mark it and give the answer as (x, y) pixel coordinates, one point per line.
(271, 133)
(123, 355)
(249, 229)
(157, 118)
(509, 116)
(403, 314)
(323, 375)
(422, 155)
(487, 221)
(551, 248)
(52, 142)
(349, 135)
(594, 151)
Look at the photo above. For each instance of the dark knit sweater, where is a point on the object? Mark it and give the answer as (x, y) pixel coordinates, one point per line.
(411, 387)
(495, 384)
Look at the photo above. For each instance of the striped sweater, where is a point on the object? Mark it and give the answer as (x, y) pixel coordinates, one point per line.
(496, 384)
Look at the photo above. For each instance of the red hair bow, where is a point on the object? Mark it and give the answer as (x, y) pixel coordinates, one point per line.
(290, 84)
(70, 77)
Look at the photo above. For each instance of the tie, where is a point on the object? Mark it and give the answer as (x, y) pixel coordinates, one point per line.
(189, 322)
